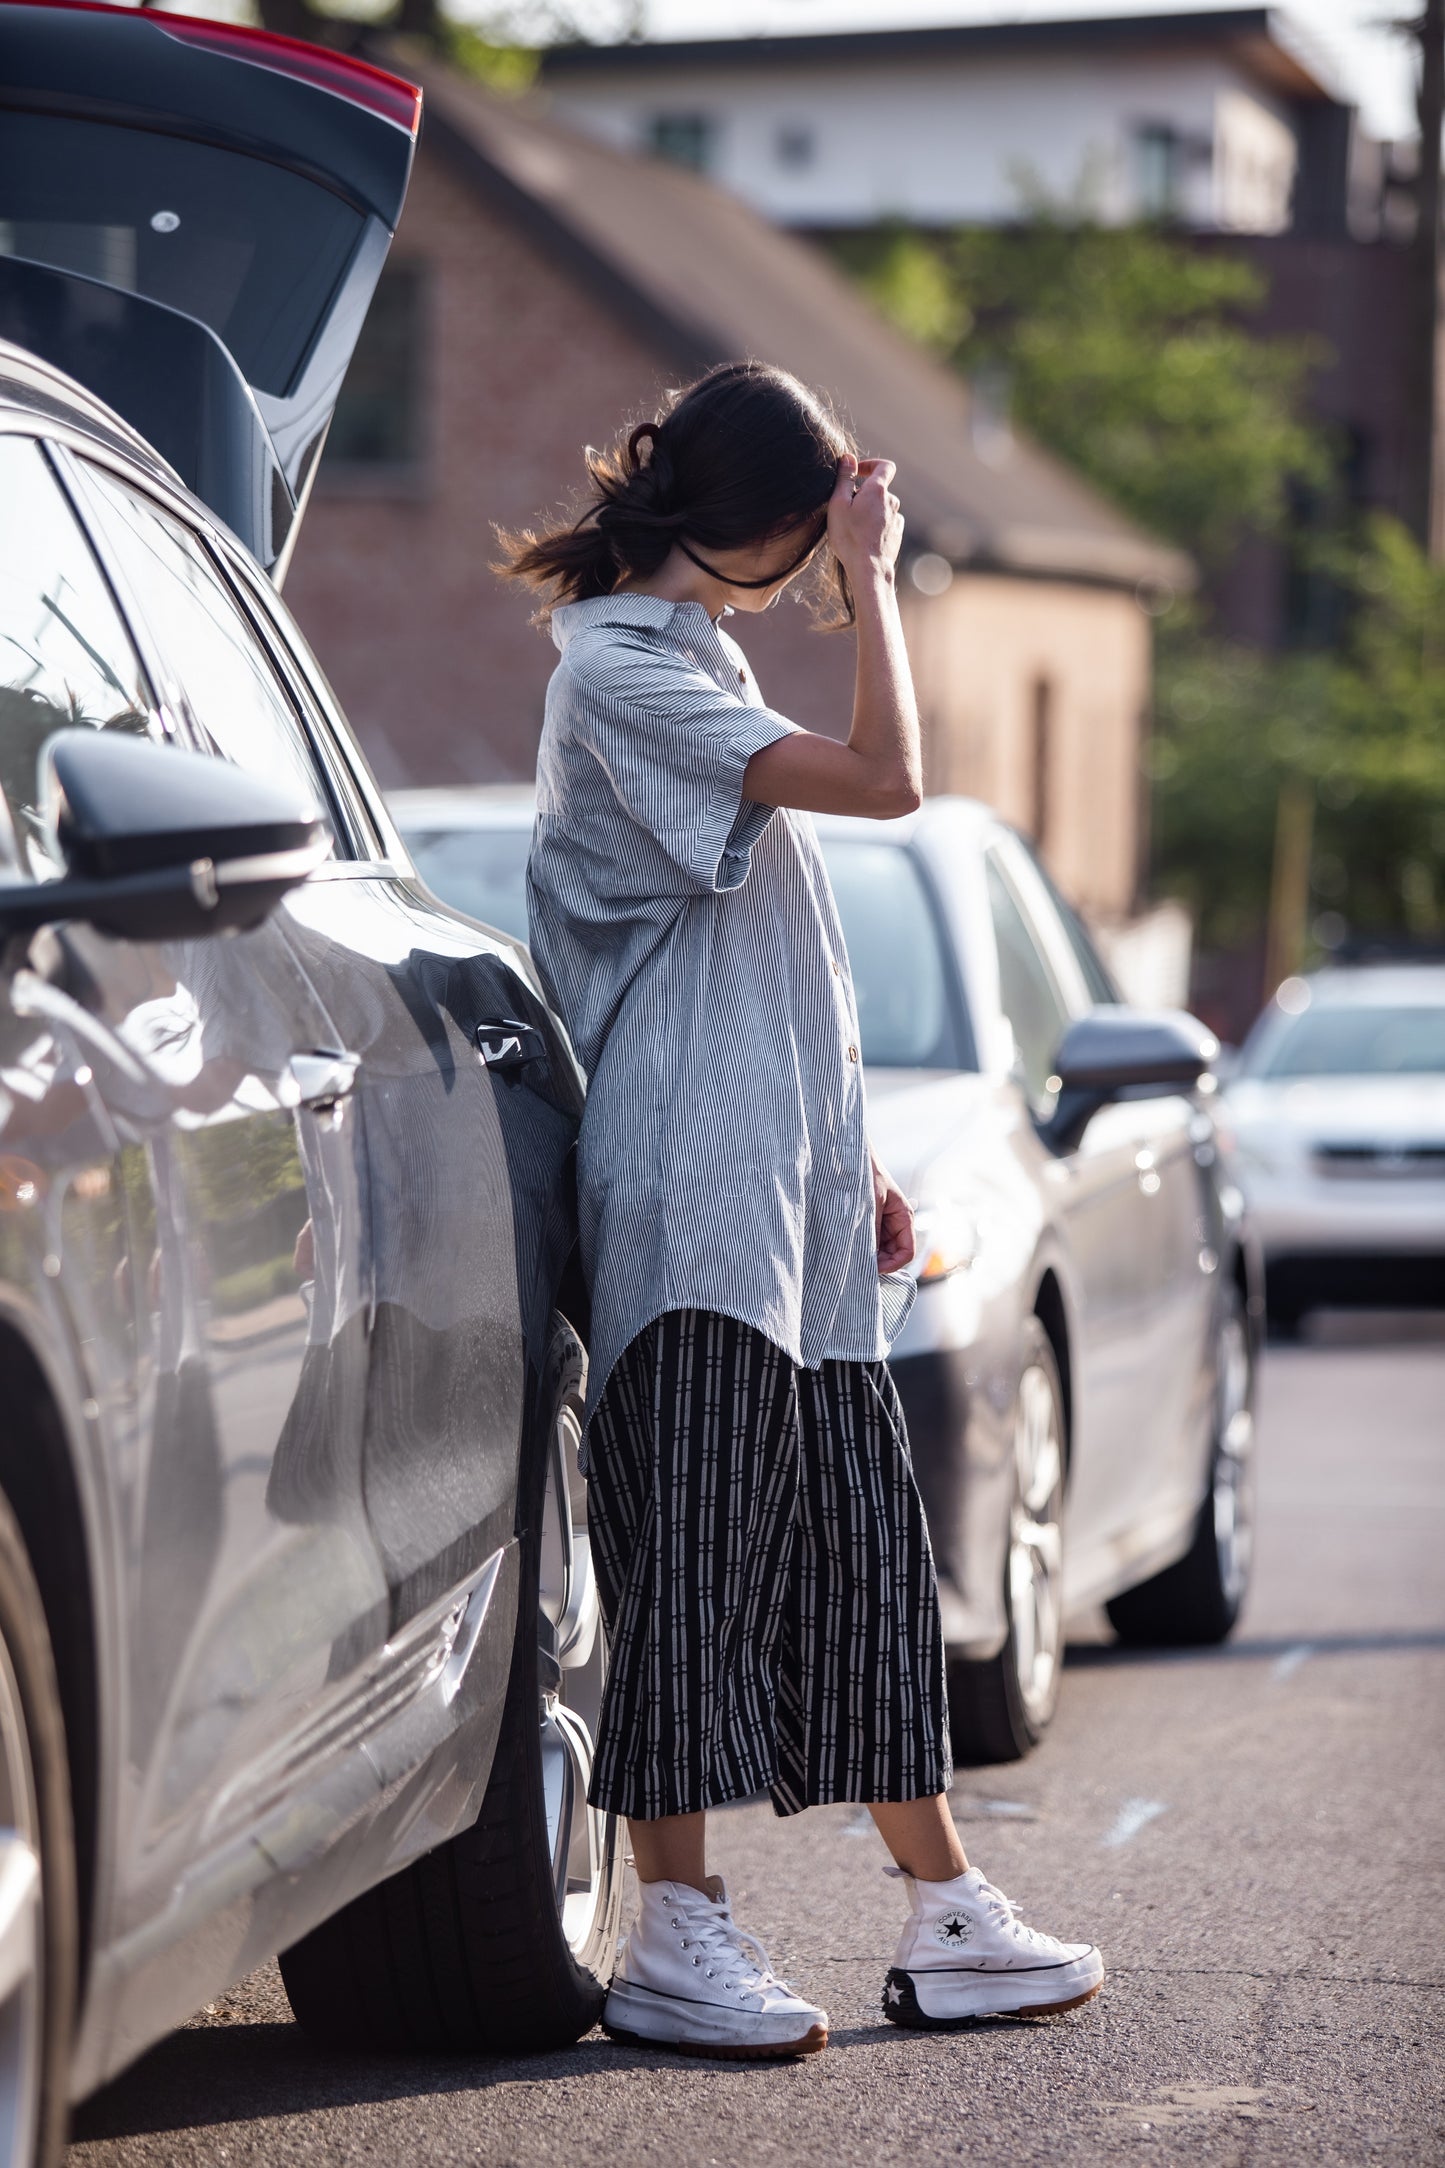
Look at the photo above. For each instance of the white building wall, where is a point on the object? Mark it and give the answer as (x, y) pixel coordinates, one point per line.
(947, 142)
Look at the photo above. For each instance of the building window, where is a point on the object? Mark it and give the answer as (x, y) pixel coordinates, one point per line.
(688, 139)
(377, 436)
(795, 146)
(1158, 171)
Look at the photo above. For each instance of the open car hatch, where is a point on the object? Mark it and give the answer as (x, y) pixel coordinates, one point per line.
(192, 221)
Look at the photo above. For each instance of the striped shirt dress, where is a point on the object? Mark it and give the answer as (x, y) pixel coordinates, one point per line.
(760, 1546)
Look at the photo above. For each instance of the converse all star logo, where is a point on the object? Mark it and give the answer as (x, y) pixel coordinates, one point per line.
(953, 1929)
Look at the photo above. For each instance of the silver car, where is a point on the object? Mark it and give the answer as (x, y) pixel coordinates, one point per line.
(1337, 1115)
(1078, 1367)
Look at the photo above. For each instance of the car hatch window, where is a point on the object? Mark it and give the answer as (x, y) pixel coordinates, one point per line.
(65, 655)
(1028, 994)
(202, 635)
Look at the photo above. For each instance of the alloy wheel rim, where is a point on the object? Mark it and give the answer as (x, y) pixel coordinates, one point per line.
(21, 1938)
(579, 1835)
(1233, 1458)
(1036, 1542)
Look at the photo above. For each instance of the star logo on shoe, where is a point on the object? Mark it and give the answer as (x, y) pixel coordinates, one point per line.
(953, 1929)
(895, 1992)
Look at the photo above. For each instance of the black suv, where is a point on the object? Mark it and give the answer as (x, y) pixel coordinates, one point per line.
(299, 1646)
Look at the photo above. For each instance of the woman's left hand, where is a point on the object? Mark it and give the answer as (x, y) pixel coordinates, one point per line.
(892, 1220)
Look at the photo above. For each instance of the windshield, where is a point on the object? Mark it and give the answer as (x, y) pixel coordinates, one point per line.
(482, 871)
(1369, 1040)
(250, 249)
(906, 1018)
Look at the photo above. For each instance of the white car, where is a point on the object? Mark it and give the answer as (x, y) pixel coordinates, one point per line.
(1337, 1114)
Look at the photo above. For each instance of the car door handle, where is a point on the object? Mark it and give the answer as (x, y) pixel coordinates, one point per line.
(322, 1080)
(506, 1044)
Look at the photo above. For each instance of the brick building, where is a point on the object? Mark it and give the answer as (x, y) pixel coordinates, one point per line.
(542, 288)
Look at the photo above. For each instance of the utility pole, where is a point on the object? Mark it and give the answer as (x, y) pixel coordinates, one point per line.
(1426, 485)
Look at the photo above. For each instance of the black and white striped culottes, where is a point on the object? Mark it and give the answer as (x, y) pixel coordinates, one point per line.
(766, 1578)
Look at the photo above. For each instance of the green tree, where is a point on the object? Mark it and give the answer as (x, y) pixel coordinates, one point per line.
(1125, 350)
(1131, 353)
(1361, 730)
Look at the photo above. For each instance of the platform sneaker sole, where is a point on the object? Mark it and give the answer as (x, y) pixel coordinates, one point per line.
(960, 2000)
(644, 2019)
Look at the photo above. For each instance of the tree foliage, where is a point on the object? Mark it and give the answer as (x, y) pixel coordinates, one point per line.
(1126, 351)
(1363, 726)
(1132, 354)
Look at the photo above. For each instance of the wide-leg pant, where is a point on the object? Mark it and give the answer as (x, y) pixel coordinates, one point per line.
(766, 1579)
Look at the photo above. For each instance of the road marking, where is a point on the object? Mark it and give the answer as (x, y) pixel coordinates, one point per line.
(1133, 1816)
(1284, 1667)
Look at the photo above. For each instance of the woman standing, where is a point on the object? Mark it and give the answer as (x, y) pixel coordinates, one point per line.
(759, 1543)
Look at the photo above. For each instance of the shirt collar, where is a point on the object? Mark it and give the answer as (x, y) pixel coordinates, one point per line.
(574, 617)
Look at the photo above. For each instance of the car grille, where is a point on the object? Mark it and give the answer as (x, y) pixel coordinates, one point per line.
(1392, 1161)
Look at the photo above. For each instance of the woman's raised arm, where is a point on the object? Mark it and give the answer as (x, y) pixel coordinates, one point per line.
(878, 772)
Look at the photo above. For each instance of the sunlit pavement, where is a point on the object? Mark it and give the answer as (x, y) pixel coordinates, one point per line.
(1254, 1836)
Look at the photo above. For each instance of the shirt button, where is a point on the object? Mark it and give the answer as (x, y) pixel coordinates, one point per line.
(837, 969)
(852, 1053)
(742, 677)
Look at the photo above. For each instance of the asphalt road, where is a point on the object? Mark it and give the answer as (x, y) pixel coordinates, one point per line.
(1253, 1835)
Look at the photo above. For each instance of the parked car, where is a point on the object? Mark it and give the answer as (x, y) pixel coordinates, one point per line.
(1077, 1370)
(1336, 1109)
(298, 1636)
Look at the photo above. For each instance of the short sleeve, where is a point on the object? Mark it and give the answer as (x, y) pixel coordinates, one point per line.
(674, 747)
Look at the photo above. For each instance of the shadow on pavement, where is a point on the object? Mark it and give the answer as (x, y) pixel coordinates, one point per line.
(1369, 1328)
(208, 2076)
(1087, 1655)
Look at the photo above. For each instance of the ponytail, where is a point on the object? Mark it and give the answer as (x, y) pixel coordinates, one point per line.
(742, 455)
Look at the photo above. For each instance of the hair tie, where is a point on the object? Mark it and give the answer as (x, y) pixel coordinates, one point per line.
(644, 433)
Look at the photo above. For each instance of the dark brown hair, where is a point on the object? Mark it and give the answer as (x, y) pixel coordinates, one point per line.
(744, 454)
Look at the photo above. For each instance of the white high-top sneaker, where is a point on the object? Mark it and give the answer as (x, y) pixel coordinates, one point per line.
(966, 1954)
(690, 1978)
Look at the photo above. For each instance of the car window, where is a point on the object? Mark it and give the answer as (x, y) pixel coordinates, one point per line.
(1028, 995)
(1371, 1039)
(482, 871)
(251, 249)
(1096, 977)
(900, 978)
(65, 655)
(328, 733)
(202, 634)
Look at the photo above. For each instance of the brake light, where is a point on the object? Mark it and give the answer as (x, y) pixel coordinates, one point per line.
(389, 96)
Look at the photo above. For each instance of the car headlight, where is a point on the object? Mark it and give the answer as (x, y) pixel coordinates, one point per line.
(946, 1239)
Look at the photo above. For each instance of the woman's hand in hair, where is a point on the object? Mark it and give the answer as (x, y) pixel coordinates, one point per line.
(865, 521)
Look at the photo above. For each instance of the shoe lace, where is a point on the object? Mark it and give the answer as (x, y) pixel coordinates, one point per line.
(726, 1952)
(1006, 1912)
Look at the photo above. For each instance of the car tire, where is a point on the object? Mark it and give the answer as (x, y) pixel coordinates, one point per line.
(501, 1940)
(39, 1920)
(1001, 1706)
(1198, 1601)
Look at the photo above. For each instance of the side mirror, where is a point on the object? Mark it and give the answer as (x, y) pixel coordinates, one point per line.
(161, 845)
(1122, 1053)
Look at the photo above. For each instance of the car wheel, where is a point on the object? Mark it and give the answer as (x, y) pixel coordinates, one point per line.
(1002, 1706)
(38, 1914)
(503, 1938)
(1199, 1600)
